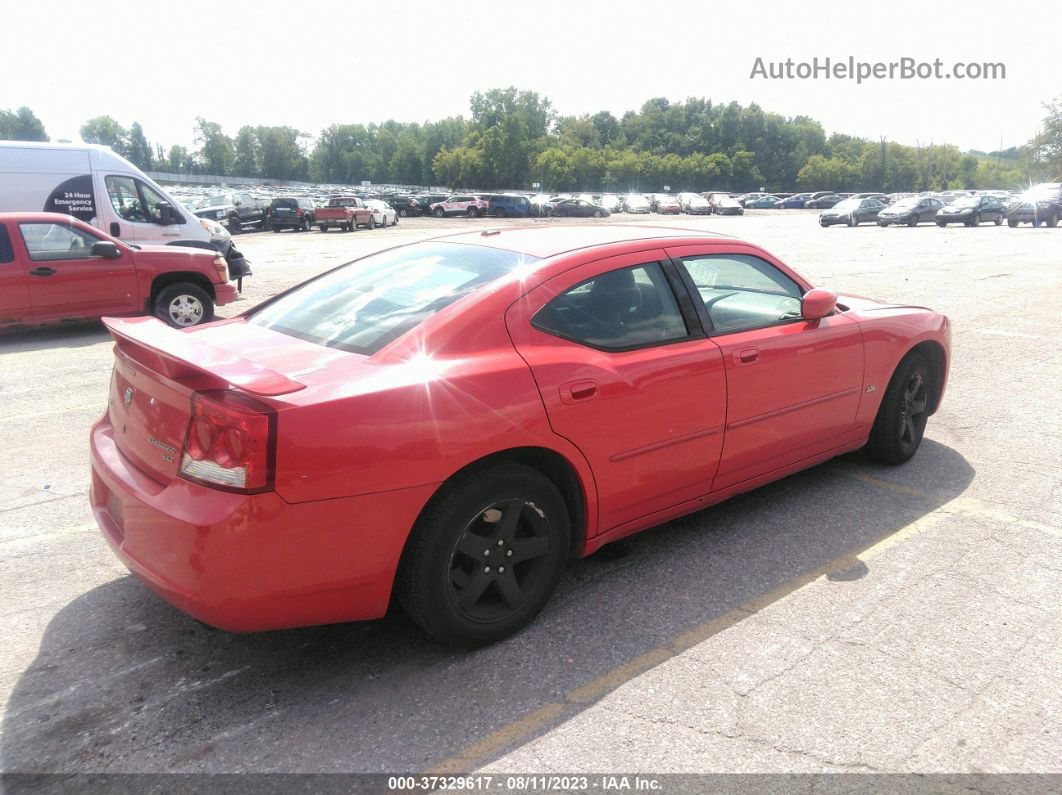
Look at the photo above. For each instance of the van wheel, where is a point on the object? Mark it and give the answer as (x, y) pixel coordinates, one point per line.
(485, 558)
(184, 304)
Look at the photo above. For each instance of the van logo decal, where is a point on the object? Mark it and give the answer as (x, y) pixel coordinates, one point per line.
(73, 197)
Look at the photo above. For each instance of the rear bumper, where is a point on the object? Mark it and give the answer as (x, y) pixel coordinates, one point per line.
(251, 562)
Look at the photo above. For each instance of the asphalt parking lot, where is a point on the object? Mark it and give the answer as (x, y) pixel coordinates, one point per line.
(853, 617)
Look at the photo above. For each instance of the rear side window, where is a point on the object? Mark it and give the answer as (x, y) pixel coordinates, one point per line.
(363, 306)
(6, 253)
(617, 310)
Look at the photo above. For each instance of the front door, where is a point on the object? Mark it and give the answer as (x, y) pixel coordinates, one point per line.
(627, 377)
(134, 203)
(66, 280)
(793, 386)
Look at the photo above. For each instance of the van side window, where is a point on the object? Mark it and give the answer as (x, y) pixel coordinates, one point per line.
(125, 199)
(6, 252)
(150, 198)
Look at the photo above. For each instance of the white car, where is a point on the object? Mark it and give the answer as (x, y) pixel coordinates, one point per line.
(611, 202)
(382, 212)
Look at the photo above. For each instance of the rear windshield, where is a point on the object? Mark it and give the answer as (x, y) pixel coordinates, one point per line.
(363, 306)
(291, 204)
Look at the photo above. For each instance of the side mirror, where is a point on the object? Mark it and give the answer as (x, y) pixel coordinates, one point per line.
(167, 215)
(817, 304)
(106, 249)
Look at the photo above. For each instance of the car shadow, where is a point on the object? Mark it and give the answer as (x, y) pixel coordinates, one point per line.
(123, 682)
(73, 334)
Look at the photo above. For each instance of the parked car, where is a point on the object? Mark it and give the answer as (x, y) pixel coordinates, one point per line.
(668, 205)
(1041, 204)
(910, 211)
(635, 203)
(698, 205)
(578, 208)
(611, 202)
(881, 197)
(457, 438)
(345, 212)
(763, 203)
(405, 206)
(824, 202)
(750, 197)
(794, 202)
(103, 189)
(971, 211)
(725, 204)
(234, 210)
(383, 214)
(292, 212)
(464, 204)
(851, 212)
(502, 205)
(54, 267)
(426, 201)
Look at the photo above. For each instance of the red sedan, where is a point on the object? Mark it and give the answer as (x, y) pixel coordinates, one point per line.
(451, 420)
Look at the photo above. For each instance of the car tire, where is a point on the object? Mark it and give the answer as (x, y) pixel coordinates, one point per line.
(394, 221)
(942, 224)
(323, 227)
(401, 212)
(235, 227)
(912, 221)
(384, 222)
(852, 221)
(883, 224)
(276, 228)
(438, 212)
(372, 222)
(472, 212)
(499, 212)
(1012, 222)
(453, 580)
(1052, 221)
(597, 213)
(305, 225)
(183, 305)
(351, 226)
(999, 220)
(901, 420)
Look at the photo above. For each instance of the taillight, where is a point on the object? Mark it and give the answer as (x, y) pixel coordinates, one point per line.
(299, 211)
(230, 443)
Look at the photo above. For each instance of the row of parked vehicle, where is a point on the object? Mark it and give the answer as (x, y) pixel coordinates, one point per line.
(1041, 205)
(238, 211)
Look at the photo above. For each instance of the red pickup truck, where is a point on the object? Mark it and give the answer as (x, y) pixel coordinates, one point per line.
(346, 212)
(54, 267)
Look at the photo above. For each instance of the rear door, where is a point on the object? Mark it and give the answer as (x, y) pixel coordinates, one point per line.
(14, 290)
(793, 386)
(627, 376)
(66, 280)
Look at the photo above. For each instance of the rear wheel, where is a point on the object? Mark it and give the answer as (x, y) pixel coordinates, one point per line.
(912, 221)
(499, 213)
(439, 213)
(942, 224)
(851, 220)
(234, 225)
(184, 304)
(473, 212)
(323, 227)
(999, 220)
(597, 213)
(902, 416)
(402, 212)
(276, 228)
(486, 556)
(1012, 222)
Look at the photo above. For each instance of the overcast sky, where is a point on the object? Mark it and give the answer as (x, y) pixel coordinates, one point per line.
(308, 64)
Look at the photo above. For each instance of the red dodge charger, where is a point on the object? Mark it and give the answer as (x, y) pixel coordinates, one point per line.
(450, 421)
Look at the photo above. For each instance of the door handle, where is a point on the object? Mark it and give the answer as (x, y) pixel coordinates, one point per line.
(746, 356)
(577, 391)
(42, 271)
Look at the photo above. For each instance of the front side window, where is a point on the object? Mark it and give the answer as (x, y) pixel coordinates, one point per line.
(363, 306)
(616, 310)
(150, 199)
(742, 292)
(49, 242)
(125, 199)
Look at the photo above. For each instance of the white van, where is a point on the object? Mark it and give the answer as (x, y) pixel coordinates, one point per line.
(101, 188)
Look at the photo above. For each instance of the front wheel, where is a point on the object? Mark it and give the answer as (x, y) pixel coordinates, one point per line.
(473, 212)
(1012, 222)
(276, 228)
(235, 227)
(372, 222)
(486, 556)
(902, 416)
(439, 213)
(999, 220)
(942, 224)
(852, 221)
(912, 221)
(323, 227)
(184, 304)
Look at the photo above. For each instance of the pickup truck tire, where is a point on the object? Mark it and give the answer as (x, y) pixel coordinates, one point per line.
(184, 304)
(276, 228)
(351, 226)
(235, 227)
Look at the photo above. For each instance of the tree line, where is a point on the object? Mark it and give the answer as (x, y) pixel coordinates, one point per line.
(513, 139)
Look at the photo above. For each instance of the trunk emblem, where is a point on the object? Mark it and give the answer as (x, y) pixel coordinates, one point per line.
(127, 398)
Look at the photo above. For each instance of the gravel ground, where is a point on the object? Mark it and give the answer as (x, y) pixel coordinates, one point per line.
(849, 618)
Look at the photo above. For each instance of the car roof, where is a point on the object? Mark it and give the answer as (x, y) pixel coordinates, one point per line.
(549, 241)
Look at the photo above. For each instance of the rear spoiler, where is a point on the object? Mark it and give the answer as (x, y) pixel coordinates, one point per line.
(174, 354)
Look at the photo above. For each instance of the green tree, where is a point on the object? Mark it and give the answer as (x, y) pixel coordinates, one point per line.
(105, 131)
(247, 153)
(216, 152)
(138, 150)
(21, 125)
(179, 160)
